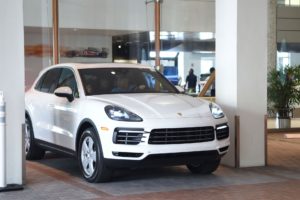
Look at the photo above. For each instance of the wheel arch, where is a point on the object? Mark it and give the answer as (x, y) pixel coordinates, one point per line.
(27, 115)
(84, 124)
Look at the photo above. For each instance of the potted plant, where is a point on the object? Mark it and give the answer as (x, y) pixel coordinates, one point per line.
(284, 93)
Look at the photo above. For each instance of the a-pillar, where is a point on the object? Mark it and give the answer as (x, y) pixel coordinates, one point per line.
(12, 84)
(241, 74)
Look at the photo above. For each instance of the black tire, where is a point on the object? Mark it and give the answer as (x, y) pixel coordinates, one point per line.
(91, 162)
(204, 168)
(32, 151)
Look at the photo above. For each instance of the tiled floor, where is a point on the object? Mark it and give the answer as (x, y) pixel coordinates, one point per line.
(283, 152)
(58, 178)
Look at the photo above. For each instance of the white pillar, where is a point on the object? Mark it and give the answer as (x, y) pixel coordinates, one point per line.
(12, 83)
(272, 29)
(241, 69)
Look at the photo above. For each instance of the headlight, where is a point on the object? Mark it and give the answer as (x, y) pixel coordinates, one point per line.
(216, 111)
(121, 114)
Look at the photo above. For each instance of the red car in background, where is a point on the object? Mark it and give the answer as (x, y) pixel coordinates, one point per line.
(94, 52)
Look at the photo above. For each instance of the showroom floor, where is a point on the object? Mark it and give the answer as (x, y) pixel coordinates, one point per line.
(58, 178)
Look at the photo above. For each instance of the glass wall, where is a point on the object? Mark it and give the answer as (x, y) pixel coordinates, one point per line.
(123, 31)
(288, 33)
(288, 43)
(293, 3)
(188, 28)
(105, 31)
(38, 38)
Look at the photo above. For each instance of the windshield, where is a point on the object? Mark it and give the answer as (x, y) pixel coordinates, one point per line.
(124, 80)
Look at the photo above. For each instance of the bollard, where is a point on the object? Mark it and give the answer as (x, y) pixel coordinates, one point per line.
(4, 187)
(2, 142)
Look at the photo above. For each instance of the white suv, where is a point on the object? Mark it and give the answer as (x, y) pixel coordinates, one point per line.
(111, 116)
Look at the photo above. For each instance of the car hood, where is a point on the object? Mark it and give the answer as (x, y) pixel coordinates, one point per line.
(158, 105)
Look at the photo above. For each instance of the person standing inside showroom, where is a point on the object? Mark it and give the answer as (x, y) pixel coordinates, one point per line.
(191, 81)
(213, 85)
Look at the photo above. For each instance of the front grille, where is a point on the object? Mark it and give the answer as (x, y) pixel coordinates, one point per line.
(128, 136)
(181, 135)
(222, 131)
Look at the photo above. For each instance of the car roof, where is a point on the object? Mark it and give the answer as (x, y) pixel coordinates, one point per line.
(100, 65)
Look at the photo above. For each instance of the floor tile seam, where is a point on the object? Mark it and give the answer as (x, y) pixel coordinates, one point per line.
(282, 141)
(205, 188)
(286, 170)
(200, 190)
(274, 174)
(68, 179)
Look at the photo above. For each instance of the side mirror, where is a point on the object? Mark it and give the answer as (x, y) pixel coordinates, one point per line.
(64, 92)
(180, 89)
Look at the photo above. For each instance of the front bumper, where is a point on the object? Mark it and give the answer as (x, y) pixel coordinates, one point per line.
(145, 153)
(166, 159)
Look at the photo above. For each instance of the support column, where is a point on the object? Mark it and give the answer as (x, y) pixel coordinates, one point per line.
(12, 84)
(272, 32)
(55, 27)
(157, 32)
(241, 68)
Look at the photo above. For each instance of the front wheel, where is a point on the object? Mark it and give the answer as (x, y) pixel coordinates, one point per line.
(90, 158)
(204, 168)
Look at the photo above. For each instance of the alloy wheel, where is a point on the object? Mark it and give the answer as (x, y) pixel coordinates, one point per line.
(88, 156)
(27, 137)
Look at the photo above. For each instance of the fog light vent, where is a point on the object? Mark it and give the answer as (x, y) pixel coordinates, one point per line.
(127, 154)
(223, 149)
(128, 136)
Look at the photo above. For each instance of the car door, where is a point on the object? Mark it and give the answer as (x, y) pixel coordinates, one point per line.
(65, 113)
(43, 102)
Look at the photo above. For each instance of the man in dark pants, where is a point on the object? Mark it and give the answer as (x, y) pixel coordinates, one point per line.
(213, 85)
(191, 81)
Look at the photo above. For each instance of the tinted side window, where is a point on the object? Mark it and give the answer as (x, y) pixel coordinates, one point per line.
(67, 78)
(50, 81)
(39, 83)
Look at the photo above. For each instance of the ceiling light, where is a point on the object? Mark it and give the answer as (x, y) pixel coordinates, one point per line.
(206, 35)
(164, 54)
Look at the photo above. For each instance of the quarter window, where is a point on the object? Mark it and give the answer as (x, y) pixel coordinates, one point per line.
(40, 82)
(50, 81)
